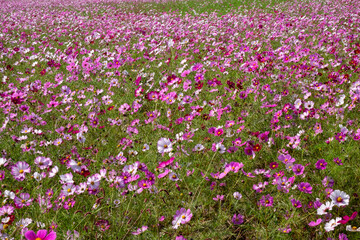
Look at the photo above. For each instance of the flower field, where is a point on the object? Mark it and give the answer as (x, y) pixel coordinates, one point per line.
(179, 119)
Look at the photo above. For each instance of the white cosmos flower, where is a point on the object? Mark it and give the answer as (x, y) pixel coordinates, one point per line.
(80, 137)
(164, 145)
(330, 226)
(297, 103)
(53, 171)
(237, 195)
(309, 104)
(340, 198)
(2, 161)
(198, 147)
(352, 228)
(322, 210)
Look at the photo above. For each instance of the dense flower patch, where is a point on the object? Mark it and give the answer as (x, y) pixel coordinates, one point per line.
(120, 125)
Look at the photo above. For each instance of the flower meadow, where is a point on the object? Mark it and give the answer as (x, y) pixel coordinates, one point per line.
(124, 121)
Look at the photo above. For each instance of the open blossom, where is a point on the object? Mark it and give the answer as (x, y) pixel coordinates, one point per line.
(321, 164)
(339, 198)
(330, 226)
(164, 145)
(181, 216)
(313, 224)
(140, 230)
(103, 225)
(305, 187)
(23, 200)
(233, 167)
(266, 201)
(237, 195)
(19, 170)
(352, 228)
(238, 219)
(43, 162)
(218, 198)
(40, 235)
(93, 182)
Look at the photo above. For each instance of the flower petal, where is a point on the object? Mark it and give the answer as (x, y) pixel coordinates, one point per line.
(41, 233)
(30, 235)
(51, 236)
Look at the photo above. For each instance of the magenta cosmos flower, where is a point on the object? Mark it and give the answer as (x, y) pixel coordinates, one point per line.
(40, 235)
(238, 219)
(305, 187)
(181, 216)
(321, 164)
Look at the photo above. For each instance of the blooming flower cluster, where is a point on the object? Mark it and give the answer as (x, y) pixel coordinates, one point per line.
(116, 121)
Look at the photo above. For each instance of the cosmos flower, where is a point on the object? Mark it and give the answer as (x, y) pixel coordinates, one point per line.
(103, 225)
(266, 201)
(40, 235)
(340, 198)
(321, 164)
(237, 195)
(330, 226)
(313, 224)
(19, 170)
(23, 200)
(305, 187)
(322, 210)
(352, 228)
(140, 230)
(238, 219)
(181, 216)
(164, 145)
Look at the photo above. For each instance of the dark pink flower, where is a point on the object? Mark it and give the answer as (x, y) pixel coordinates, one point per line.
(40, 235)
(238, 219)
(321, 164)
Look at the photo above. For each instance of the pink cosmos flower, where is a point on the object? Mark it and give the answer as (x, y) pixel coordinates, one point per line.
(19, 170)
(266, 201)
(234, 167)
(166, 163)
(180, 238)
(346, 219)
(40, 235)
(140, 230)
(218, 198)
(181, 216)
(313, 224)
(23, 200)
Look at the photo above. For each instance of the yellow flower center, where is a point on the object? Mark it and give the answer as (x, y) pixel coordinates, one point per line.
(21, 171)
(339, 199)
